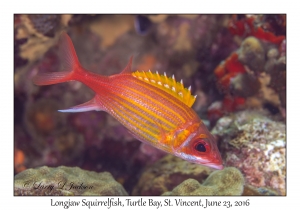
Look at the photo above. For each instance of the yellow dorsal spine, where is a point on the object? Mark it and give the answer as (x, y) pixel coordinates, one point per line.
(167, 84)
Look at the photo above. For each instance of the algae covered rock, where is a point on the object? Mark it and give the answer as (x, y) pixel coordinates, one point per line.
(65, 181)
(256, 145)
(229, 181)
(253, 191)
(167, 173)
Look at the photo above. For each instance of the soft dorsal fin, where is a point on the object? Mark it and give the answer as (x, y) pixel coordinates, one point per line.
(167, 84)
(127, 69)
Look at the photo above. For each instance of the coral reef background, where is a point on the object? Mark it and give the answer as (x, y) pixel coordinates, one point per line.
(236, 64)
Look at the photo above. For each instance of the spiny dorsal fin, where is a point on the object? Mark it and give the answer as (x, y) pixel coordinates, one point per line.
(167, 84)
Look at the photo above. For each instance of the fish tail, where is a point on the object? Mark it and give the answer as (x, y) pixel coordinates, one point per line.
(70, 61)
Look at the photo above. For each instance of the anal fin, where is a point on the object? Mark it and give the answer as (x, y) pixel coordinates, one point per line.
(87, 106)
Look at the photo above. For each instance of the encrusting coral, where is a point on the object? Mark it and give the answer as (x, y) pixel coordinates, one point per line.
(254, 75)
(255, 144)
(66, 181)
(167, 173)
(229, 181)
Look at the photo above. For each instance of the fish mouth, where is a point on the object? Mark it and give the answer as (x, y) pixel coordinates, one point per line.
(215, 162)
(215, 166)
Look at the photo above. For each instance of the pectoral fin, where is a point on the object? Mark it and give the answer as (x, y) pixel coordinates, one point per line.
(87, 106)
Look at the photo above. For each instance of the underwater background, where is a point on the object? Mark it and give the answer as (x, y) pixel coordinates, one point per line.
(235, 64)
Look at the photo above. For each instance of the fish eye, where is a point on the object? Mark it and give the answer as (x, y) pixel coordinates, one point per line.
(202, 146)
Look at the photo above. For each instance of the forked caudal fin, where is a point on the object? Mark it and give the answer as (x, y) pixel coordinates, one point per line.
(70, 63)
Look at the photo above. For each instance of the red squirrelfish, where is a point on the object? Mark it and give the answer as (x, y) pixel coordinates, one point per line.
(155, 108)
